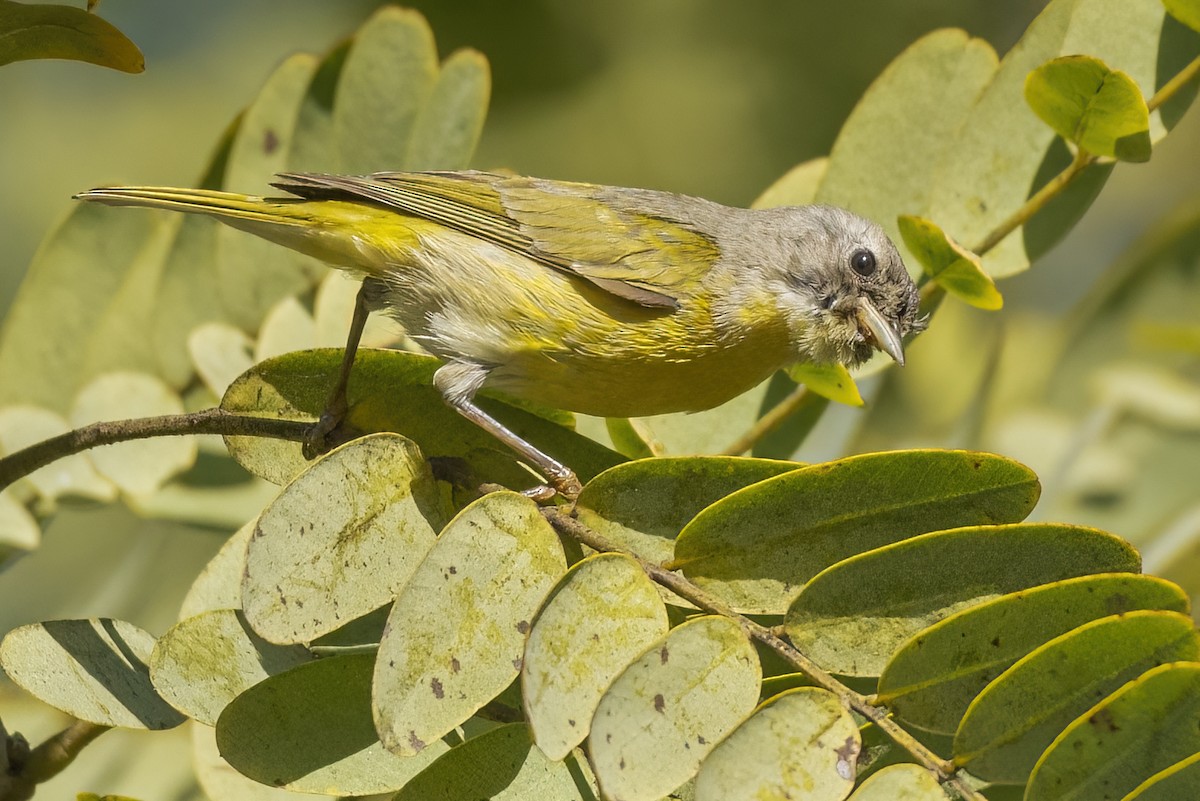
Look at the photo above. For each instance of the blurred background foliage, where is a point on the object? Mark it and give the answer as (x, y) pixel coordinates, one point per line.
(1090, 374)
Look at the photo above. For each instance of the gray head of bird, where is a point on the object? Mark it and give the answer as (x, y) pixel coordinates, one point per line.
(842, 286)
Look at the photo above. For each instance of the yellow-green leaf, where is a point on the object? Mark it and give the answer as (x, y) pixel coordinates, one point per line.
(1186, 11)
(956, 269)
(52, 31)
(1181, 780)
(1099, 109)
(905, 782)
(831, 381)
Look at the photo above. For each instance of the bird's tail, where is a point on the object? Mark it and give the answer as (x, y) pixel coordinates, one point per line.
(332, 231)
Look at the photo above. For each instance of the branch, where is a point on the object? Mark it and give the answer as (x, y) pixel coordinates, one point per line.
(210, 421)
(943, 770)
(47, 760)
(776, 416)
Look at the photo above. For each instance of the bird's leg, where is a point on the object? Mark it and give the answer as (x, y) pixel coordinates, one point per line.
(320, 437)
(458, 382)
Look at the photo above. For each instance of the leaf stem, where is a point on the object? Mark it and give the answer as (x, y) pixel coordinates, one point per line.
(945, 771)
(1175, 85)
(210, 421)
(47, 760)
(773, 419)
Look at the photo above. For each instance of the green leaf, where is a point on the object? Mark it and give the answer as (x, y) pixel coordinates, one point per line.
(19, 530)
(853, 616)
(456, 634)
(1186, 11)
(953, 267)
(310, 730)
(1181, 780)
(447, 128)
(1099, 109)
(643, 505)
(831, 381)
(670, 708)
(602, 615)
(933, 677)
(252, 273)
(94, 670)
(314, 144)
(53, 31)
(1143, 728)
(797, 187)
(901, 783)
(757, 547)
(342, 539)
(219, 585)
(218, 779)
(628, 440)
(801, 744)
(1012, 722)
(502, 765)
(22, 426)
(388, 77)
(393, 391)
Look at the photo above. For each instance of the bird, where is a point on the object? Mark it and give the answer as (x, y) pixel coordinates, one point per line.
(602, 300)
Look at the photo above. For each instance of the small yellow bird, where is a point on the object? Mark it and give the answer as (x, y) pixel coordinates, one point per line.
(601, 300)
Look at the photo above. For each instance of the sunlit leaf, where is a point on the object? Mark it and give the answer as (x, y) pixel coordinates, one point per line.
(1181, 780)
(218, 779)
(54, 31)
(603, 614)
(18, 528)
(854, 615)
(1186, 11)
(94, 670)
(219, 585)
(1099, 109)
(801, 744)
(831, 381)
(901, 783)
(342, 539)
(953, 267)
(1143, 728)
(797, 187)
(447, 128)
(220, 352)
(1013, 721)
(664, 714)
(757, 547)
(932, 678)
(455, 637)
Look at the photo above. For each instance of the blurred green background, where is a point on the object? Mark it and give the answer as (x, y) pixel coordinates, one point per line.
(697, 96)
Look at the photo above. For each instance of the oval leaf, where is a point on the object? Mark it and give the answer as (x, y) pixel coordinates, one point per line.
(853, 616)
(1143, 728)
(22, 426)
(54, 31)
(219, 585)
(218, 779)
(1099, 109)
(1181, 780)
(201, 664)
(934, 676)
(1186, 11)
(93, 669)
(643, 505)
(801, 744)
(456, 633)
(1012, 722)
(502, 765)
(310, 730)
(340, 540)
(448, 126)
(831, 381)
(604, 613)
(393, 391)
(953, 267)
(663, 715)
(759, 546)
(901, 783)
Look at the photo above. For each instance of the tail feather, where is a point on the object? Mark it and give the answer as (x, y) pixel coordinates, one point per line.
(227, 205)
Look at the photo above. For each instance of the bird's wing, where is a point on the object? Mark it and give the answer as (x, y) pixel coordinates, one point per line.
(629, 248)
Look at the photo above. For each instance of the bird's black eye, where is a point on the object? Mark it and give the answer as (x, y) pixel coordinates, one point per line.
(863, 262)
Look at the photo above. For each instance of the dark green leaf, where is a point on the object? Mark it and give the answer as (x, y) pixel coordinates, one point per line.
(853, 616)
(53, 31)
(757, 547)
(1181, 780)
(1099, 109)
(932, 679)
(1186, 11)
(1010, 724)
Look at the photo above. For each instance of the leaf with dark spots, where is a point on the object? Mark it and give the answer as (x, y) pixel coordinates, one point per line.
(436, 686)
(659, 703)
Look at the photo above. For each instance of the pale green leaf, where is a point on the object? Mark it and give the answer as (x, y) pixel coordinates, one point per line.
(933, 677)
(55, 31)
(448, 126)
(219, 585)
(94, 670)
(797, 187)
(831, 381)
(1013, 721)
(953, 267)
(202, 663)
(456, 634)
(670, 708)
(220, 353)
(314, 144)
(801, 744)
(502, 765)
(853, 616)
(22, 426)
(19, 529)
(341, 539)
(901, 783)
(1143, 728)
(757, 547)
(1099, 109)
(287, 326)
(604, 613)
(333, 307)
(1186, 11)
(310, 730)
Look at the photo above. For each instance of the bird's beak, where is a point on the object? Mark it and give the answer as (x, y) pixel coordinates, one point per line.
(882, 333)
